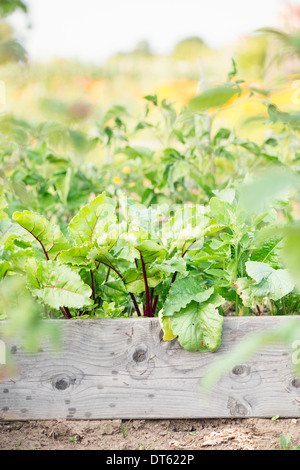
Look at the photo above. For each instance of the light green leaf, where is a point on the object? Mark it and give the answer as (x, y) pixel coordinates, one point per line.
(165, 323)
(171, 266)
(9, 230)
(4, 267)
(268, 246)
(266, 283)
(47, 234)
(92, 220)
(277, 282)
(151, 251)
(185, 227)
(258, 270)
(101, 255)
(134, 280)
(183, 291)
(212, 98)
(220, 211)
(58, 285)
(226, 195)
(291, 252)
(199, 325)
(76, 256)
(267, 188)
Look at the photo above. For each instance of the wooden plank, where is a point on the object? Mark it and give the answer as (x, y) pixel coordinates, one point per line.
(121, 368)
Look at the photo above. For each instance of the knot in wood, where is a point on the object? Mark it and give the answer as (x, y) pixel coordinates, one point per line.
(139, 355)
(241, 370)
(296, 383)
(62, 382)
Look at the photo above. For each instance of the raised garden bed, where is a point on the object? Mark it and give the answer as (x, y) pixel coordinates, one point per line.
(122, 368)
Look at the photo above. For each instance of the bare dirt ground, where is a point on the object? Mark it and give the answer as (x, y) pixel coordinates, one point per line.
(173, 434)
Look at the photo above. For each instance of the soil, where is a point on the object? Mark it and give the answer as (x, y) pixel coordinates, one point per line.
(173, 434)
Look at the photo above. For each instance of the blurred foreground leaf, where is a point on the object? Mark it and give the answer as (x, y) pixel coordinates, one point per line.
(287, 332)
(24, 318)
(212, 98)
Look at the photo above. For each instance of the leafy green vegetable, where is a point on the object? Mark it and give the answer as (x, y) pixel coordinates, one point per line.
(58, 286)
(266, 283)
(47, 234)
(199, 325)
(91, 220)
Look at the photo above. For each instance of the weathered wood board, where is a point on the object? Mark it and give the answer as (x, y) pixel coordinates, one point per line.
(121, 368)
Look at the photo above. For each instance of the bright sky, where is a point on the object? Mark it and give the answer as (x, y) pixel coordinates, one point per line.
(92, 30)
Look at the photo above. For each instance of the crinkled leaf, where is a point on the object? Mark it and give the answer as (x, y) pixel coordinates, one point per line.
(278, 281)
(266, 283)
(92, 219)
(183, 291)
(251, 295)
(151, 251)
(102, 255)
(268, 246)
(171, 266)
(134, 280)
(113, 291)
(258, 270)
(9, 230)
(76, 256)
(46, 233)
(199, 325)
(58, 285)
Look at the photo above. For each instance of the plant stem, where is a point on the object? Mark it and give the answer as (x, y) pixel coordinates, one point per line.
(236, 265)
(151, 298)
(121, 276)
(93, 286)
(183, 253)
(154, 305)
(295, 306)
(148, 309)
(66, 314)
(283, 306)
(107, 275)
(135, 304)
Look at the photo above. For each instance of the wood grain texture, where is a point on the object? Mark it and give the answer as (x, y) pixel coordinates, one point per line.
(121, 368)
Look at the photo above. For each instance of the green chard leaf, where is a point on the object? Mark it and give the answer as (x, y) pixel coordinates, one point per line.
(151, 252)
(57, 285)
(134, 279)
(183, 291)
(9, 230)
(92, 220)
(75, 256)
(101, 255)
(199, 325)
(47, 234)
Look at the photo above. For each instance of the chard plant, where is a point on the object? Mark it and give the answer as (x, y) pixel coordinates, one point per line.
(124, 259)
(129, 265)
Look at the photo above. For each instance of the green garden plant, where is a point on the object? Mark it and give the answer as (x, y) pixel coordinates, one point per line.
(182, 264)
